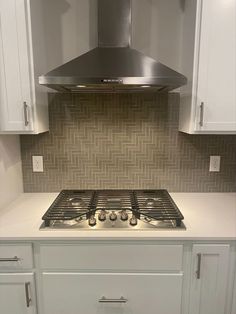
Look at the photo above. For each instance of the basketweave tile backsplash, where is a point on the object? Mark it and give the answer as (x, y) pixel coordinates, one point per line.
(124, 141)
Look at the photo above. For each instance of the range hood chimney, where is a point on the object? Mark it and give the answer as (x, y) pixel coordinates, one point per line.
(113, 66)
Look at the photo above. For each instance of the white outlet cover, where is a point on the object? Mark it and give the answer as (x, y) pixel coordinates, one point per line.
(214, 164)
(37, 162)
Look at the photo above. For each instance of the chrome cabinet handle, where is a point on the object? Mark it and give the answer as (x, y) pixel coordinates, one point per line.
(198, 271)
(106, 300)
(9, 259)
(27, 294)
(201, 114)
(26, 113)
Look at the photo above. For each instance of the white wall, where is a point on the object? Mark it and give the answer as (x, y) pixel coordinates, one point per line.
(70, 29)
(10, 169)
(157, 27)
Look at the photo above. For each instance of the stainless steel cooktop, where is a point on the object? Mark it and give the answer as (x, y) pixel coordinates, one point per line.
(113, 209)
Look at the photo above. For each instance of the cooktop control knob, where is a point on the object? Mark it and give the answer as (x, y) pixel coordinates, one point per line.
(102, 215)
(92, 221)
(113, 216)
(123, 215)
(133, 221)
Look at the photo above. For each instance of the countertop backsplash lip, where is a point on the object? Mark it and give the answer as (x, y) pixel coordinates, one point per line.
(124, 141)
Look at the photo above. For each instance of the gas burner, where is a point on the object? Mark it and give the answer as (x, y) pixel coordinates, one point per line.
(153, 202)
(77, 201)
(119, 209)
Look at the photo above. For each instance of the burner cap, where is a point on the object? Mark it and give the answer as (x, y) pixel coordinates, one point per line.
(152, 202)
(77, 201)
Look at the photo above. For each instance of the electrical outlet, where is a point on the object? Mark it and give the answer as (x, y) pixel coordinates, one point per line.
(214, 164)
(37, 162)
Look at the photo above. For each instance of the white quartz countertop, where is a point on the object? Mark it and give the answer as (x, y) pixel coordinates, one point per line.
(207, 216)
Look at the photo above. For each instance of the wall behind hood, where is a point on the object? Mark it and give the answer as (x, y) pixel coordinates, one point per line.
(124, 141)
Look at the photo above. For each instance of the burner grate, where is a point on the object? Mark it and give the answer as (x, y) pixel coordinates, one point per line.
(74, 204)
(70, 204)
(157, 205)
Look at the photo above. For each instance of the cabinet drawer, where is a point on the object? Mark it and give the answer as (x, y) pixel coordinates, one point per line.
(112, 257)
(16, 256)
(111, 293)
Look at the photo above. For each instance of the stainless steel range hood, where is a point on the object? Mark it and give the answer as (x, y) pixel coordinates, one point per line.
(113, 66)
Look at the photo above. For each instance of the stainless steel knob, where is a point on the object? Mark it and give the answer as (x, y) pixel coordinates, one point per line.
(102, 215)
(92, 221)
(123, 215)
(113, 216)
(133, 221)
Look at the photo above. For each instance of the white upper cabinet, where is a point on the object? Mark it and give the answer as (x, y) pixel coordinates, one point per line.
(23, 103)
(208, 102)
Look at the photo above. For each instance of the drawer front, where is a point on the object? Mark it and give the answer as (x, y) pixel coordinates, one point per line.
(112, 257)
(111, 293)
(16, 257)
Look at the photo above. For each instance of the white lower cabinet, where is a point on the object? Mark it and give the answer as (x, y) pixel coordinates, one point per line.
(75, 278)
(112, 293)
(210, 270)
(233, 308)
(17, 293)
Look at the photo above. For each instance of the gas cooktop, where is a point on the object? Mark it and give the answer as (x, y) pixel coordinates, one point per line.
(113, 209)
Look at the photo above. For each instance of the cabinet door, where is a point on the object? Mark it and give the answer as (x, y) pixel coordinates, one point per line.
(17, 294)
(117, 293)
(209, 279)
(234, 297)
(216, 92)
(15, 76)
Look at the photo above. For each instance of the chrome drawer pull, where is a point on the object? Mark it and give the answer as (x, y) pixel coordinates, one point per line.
(26, 113)
(106, 300)
(27, 294)
(198, 271)
(10, 259)
(201, 114)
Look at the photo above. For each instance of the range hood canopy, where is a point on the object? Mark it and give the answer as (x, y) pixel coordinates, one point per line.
(113, 66)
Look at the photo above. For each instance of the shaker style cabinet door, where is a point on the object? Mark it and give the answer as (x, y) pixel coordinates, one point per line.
(83, 293)
(17, 294)
(216, 92)
(15, 76)
(233, 311)
(210, 265)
